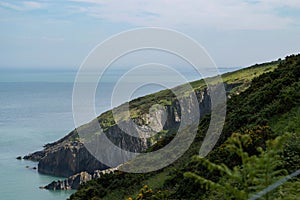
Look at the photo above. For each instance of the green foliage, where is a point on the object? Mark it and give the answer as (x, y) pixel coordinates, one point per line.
(270, 94)
(253, 175)
(251, 110)
(264, 109)
(142, 105)
(103, 186)
(289, 190)
(289, 122)
(147, 193)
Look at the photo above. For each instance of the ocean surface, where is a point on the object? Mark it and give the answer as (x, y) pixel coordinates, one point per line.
(35, 109)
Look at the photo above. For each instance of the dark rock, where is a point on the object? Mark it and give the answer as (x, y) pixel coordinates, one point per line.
(19, 158)
(68, 156)
(66, 160)
(35, 156)
(73, 182)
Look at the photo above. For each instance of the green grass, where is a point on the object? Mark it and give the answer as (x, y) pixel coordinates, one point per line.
(250, 107)
(247, 74)
(240, 76)
(141, 105)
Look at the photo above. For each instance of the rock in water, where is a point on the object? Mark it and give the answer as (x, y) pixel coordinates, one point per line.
(68, 156)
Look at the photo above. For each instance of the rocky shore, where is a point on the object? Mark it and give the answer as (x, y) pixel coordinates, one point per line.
(68, 157)
(65, 158)
(73, 182)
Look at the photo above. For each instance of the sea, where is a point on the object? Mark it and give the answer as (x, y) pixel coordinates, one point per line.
(35, 109)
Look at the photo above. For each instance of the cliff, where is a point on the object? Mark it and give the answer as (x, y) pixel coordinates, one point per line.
(268, 107)
(68, 157)
(73, 182)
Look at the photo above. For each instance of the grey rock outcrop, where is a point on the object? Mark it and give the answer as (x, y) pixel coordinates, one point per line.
(68, 159)
(69, 156)
(73, 182)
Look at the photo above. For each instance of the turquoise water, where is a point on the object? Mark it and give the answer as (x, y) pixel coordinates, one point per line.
(35, 109)
(31, 115)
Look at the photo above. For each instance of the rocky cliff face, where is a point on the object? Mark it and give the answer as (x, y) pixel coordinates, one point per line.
(69, 157)
(73, 182)
(65, 158)
(68, 160)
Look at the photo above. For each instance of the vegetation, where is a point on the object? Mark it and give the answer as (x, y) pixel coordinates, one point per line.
(253, 151)
(142, 105)
(255, 173)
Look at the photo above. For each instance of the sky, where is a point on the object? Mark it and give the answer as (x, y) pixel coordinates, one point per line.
(51, 34)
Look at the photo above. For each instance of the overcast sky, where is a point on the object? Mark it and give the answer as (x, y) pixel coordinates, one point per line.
(61, 33)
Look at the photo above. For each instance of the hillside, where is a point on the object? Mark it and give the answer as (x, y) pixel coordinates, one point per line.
(262, 106)
(71, 157)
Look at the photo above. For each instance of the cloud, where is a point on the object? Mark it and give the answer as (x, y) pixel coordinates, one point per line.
(230, 14)
(23, 5)
(9, 5)
(32, 5)
(217, 14)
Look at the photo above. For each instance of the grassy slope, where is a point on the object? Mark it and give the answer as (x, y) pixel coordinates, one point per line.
(170, 178)
(141, 105)
(263, 109)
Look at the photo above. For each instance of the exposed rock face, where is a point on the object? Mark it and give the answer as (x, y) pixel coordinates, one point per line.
(36, 156)
(68, 156)
(67, 160)
(73, 182)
